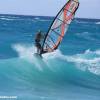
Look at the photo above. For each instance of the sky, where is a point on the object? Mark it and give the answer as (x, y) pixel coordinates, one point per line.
(87, 9)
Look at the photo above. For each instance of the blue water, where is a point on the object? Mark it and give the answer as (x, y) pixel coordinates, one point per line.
(70, 73)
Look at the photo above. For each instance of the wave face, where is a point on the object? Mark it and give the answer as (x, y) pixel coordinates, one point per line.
(70, 73)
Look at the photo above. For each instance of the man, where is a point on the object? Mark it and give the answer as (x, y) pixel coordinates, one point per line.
(38, 40)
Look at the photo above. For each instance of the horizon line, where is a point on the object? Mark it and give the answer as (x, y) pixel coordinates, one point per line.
(45, 16)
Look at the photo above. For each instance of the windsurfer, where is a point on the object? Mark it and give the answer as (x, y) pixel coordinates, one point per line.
(57, 30)
(38, 40)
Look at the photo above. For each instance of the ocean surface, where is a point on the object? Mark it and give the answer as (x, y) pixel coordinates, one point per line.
(70, 73)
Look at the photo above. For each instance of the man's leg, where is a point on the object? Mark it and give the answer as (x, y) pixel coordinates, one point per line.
(38, 48)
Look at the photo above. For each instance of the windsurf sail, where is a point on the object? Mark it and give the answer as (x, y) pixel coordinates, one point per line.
(59, 26)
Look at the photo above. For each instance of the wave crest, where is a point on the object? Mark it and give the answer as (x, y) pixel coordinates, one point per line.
(89, 60)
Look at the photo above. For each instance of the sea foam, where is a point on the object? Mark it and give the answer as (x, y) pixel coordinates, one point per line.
(89, 60)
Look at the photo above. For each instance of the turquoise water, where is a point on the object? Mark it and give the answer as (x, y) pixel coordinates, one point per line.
(70, 73)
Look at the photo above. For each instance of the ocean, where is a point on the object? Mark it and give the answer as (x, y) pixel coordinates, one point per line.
(70, 73)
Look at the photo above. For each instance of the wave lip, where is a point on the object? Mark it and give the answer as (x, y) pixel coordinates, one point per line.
(87, 61)
(42, 20)
(97, 22)
(6, 19)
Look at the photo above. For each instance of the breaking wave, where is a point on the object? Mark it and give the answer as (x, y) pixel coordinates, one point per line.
(89, 60)
(97, 22)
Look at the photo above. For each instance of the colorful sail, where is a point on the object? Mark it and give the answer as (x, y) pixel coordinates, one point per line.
(59, 26)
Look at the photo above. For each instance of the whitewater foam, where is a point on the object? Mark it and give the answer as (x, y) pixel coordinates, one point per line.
(97, 22)
(6, 19)
(26, 52)
(81, 22)
(86, 35)
(89, 60)
(39, 19)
